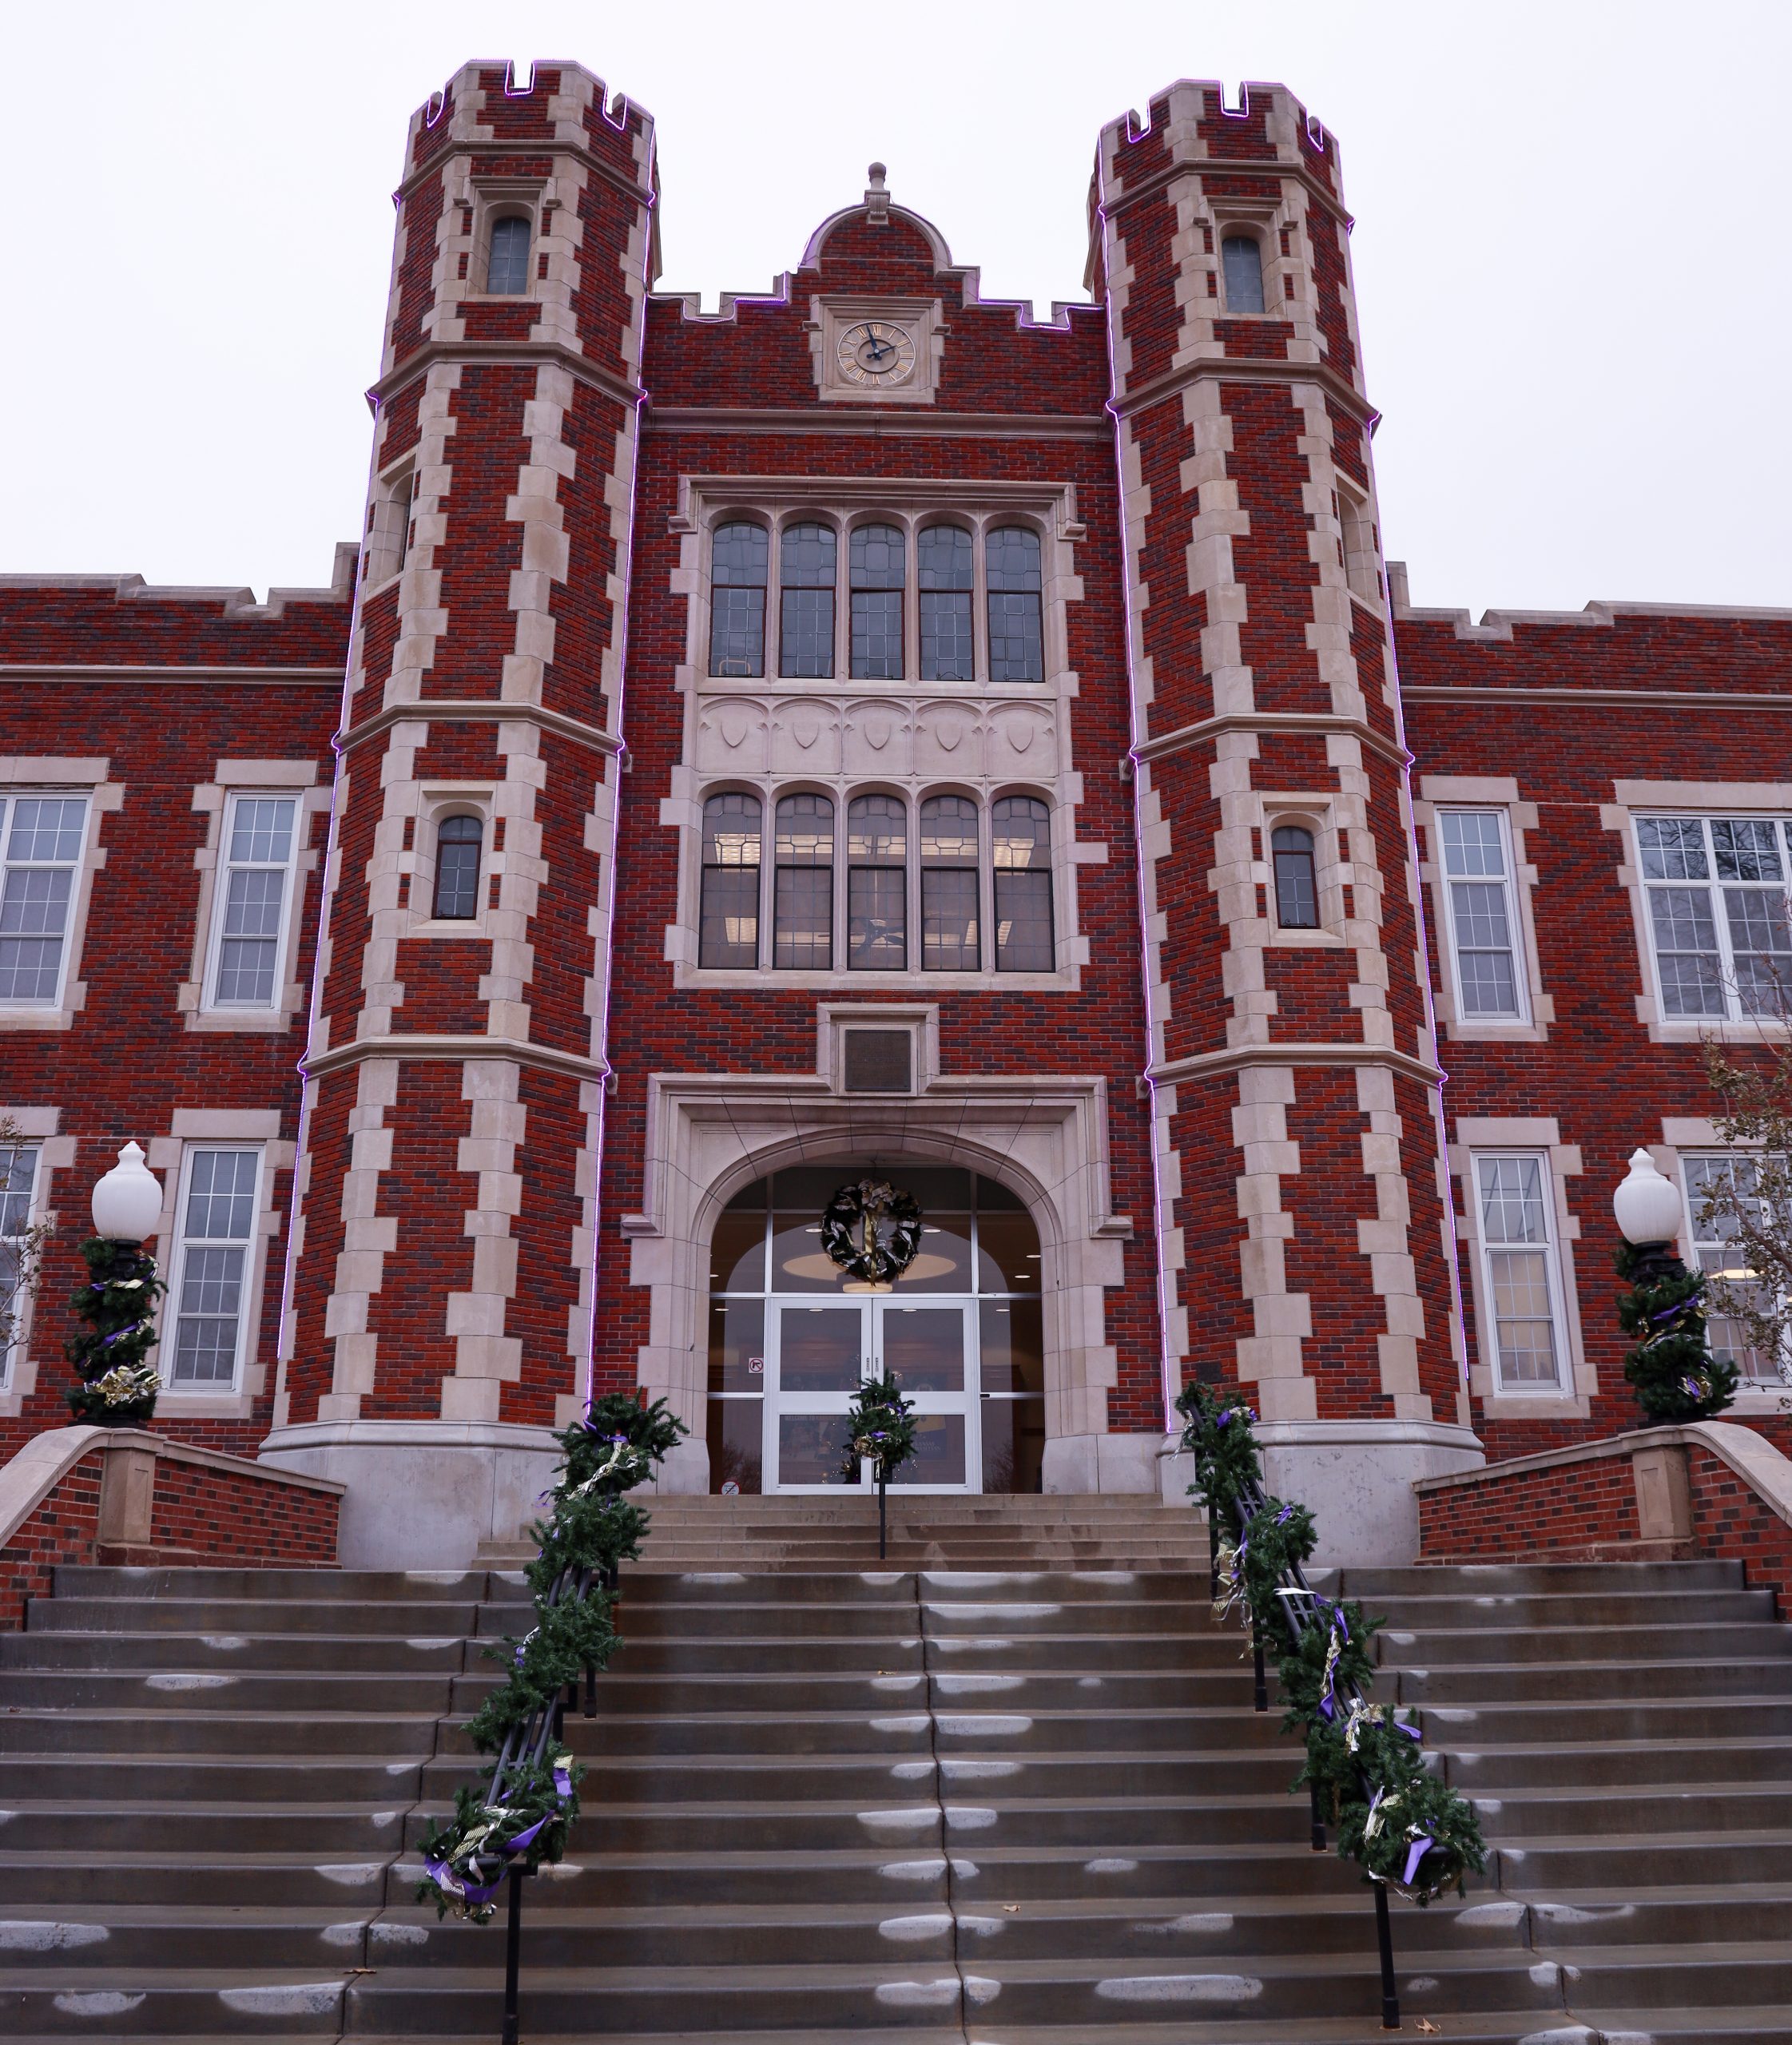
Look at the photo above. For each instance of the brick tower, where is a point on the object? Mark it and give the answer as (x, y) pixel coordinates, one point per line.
(439, 1302)
(1293, 1068)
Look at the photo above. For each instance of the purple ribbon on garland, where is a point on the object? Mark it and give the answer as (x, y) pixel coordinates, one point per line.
(523, 1839)
(562, 1781)
(1421, 1846)
(445, 1879)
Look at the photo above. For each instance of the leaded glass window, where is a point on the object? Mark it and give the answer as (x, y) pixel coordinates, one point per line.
(1021, 831)
(507, 270)
(803, 911)
(950, 941)
(943, 559)
(738, 564)
(877, 884)
(728, 931)
(1296, 884)
(1016, 638)
(1243, 262)
(458, 843)
(879, 580)
(808, 558)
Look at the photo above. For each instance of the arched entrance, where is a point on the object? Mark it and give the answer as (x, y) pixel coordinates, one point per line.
(961, 1331)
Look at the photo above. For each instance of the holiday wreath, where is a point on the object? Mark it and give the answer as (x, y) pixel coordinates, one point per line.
(872, 1230)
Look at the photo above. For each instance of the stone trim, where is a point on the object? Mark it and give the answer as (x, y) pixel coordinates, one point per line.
(1200, 1064)
(1649, 701)
(1249, 369)
(865, 421)
(404, 1049)
(434, 354)
(478, 710)
(1267, 722)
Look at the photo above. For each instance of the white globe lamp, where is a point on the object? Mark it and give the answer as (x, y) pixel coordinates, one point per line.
(1647, 1205)
(127, 1202)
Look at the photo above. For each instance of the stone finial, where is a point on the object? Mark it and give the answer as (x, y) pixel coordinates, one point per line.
(877, 199)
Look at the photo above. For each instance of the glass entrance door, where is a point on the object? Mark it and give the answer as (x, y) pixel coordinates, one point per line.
(817, 1357)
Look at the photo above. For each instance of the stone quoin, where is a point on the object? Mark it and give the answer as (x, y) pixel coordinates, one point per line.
(872, 732)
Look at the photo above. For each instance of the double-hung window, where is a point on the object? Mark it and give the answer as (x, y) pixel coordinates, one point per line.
(1718, 917)
(261, 835)
(42, 836)
(1481, 914)
(217, 1231)
(1728, 1177)
(18, 1179)
(1521, 1271)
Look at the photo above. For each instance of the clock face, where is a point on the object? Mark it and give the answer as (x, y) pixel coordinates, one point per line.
(874, 352)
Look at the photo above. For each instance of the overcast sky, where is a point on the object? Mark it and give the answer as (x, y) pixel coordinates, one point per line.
(1571, 252)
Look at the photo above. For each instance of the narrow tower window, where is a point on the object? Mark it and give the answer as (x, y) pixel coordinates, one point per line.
(879, 570)
(730, 929)
(737, 599)
(1244, 273)
(1023, 835)
(807, 567)
(1297, 886)
(507, 272)
(1016, 650)
(943, 559)
(803, 914)
(877, 884)
(457, 866)
(949, 937)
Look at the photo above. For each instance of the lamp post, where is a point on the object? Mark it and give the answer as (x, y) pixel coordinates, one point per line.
(127, 1202)
(1648, 1209)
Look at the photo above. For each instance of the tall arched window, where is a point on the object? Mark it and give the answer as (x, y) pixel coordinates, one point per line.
(1296, 885)
(507, 270)
(1021, 828)
(877, 884)
(728, 933)
(879, 570)
(1243, 262)
(1016, 650)
(457, 866)
(803, 910)
(737, 599)
(943, 556)
(807, 570)
(949, 936)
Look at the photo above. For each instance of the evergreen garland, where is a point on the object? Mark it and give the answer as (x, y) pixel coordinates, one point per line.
(119, 1387)
(1669, 1367)
(528, 1795)
(880, 1430)
(1400, 1825)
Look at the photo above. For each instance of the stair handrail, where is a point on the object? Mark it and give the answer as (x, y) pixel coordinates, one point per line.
(505, 1830)
(1406, 1828)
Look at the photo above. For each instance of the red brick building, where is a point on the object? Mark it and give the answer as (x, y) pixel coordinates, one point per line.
(871, 733)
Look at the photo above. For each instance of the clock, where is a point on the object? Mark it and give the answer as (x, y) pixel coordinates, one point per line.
(874, 352)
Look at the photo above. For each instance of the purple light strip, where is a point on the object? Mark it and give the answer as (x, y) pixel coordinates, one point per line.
(621, 645)
(1167, 1355)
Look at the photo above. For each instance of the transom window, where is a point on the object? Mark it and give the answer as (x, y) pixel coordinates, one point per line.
(1480, 913)
(908, 610)
(1713, 1238)
(42, 836)
(259, 839)
(1718, 919)
(961, 870)
(216, 1229)
(1521, 1272)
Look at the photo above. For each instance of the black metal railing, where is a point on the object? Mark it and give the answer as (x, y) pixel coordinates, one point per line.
(520, 1759)
(1303, 1610)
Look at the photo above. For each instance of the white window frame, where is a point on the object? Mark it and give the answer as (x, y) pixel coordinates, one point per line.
(1563, 1388)
(1517, 947)
(249, 1293)
(32, 1147)
(1733, 1012)
(1698, 1247)
(77, 868)
(275, 1003)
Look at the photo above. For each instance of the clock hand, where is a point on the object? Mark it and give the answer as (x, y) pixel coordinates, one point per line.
(877, 349)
